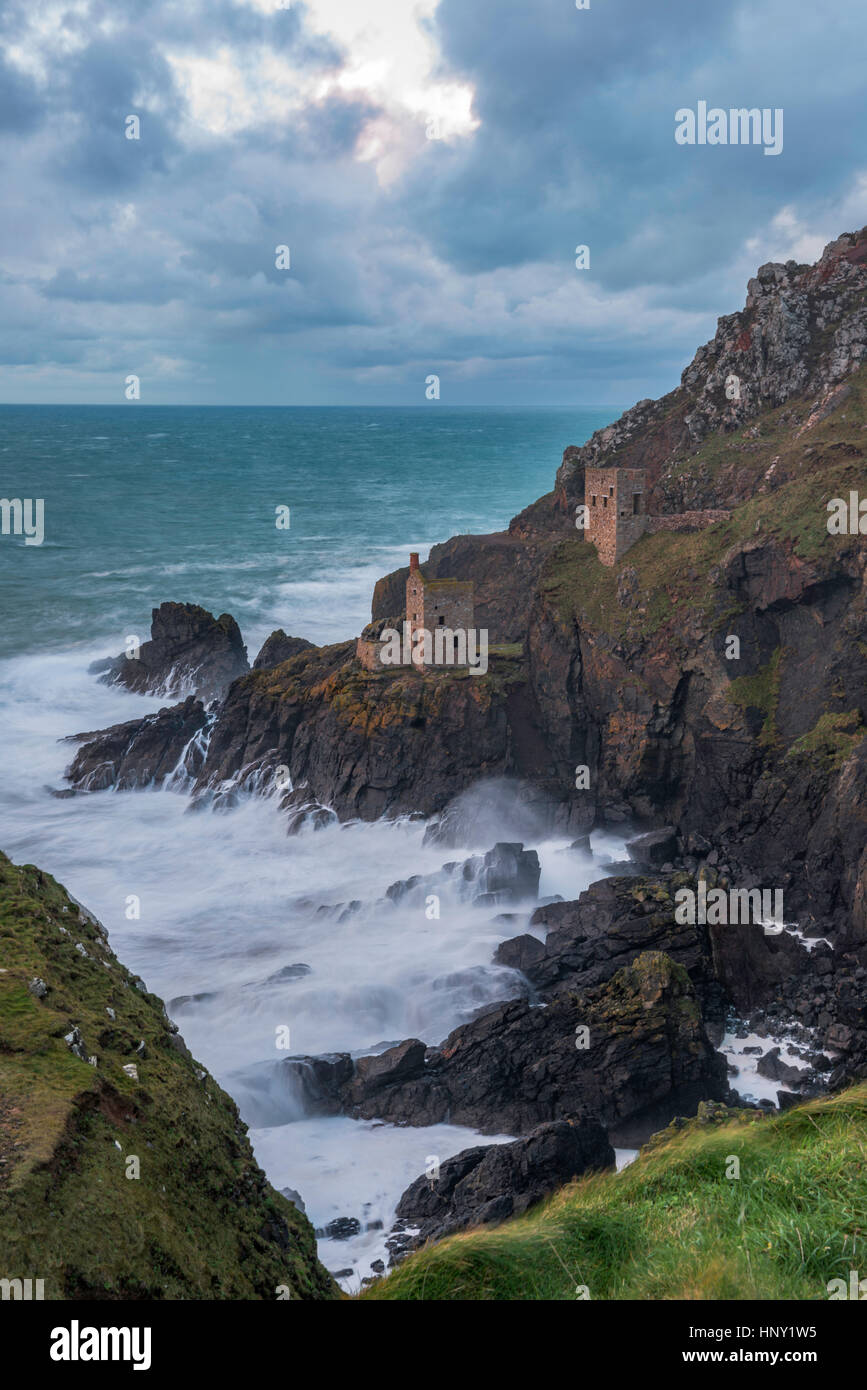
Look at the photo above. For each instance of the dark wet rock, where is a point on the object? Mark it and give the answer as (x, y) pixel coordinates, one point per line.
(655, 848)
(612, 922)
(341, 1228)
(840, 1037)
(753, 965)
(399, 1064)
(506, 874)
(319, 1079)
(142, 752)
(518, 1066)
(490, 1183)
(511, 872)
(772, 1067)
(190, 651)
(276, 1093)
(183, 1001)
(287, 973)
(520, 952)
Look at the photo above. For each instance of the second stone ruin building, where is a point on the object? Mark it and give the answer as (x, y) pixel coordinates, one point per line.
(614, 498)
(616, 512)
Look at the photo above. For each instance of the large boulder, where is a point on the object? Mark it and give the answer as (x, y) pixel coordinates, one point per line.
(655, 848)
(492, 1182)
(612, 922)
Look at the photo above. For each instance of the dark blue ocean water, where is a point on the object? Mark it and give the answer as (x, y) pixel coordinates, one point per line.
(145, 504)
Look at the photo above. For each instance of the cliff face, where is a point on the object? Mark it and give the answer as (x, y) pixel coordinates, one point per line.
(717, 680)
(125, 1171)
(801, 334)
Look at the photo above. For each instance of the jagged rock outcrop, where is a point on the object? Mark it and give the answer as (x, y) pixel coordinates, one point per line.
(366, 744)
(125, 1171)
(614, 921)
(279, 648)
(489, 1183)
(141, 752)
(647, 1058)
(508, 873)
(190, 651)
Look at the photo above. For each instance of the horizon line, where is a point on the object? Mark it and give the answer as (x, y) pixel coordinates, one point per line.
(257, 405)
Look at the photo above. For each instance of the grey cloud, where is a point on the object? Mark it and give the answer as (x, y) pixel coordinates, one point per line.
(165, 247)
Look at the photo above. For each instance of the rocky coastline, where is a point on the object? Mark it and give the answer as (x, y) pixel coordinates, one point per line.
(735, 771)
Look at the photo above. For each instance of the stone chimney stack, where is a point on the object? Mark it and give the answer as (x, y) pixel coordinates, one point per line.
(413, 560)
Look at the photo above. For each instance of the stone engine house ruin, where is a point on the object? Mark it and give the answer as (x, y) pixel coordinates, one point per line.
(431, 604)
(616, 515)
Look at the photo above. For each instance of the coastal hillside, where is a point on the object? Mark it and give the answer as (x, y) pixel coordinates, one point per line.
(682, 1222)
(125, 1171)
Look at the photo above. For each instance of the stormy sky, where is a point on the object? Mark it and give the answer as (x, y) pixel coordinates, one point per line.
(431, 168)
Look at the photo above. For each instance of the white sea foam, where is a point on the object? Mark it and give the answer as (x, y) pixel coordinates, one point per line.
(227, 901)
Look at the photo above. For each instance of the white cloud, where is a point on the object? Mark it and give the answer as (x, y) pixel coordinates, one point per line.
(391, 58)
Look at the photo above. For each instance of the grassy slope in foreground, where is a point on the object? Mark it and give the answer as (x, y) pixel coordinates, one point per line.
(201, 1221)
(673, 1226)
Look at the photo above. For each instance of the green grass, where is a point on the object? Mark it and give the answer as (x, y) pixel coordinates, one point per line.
(673, 1226)
(832, 738)
(200, 1221)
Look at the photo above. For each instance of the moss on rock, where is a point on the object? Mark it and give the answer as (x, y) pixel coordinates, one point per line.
(95, 1087)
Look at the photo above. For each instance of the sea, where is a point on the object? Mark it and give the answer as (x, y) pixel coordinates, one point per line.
(148, 504)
